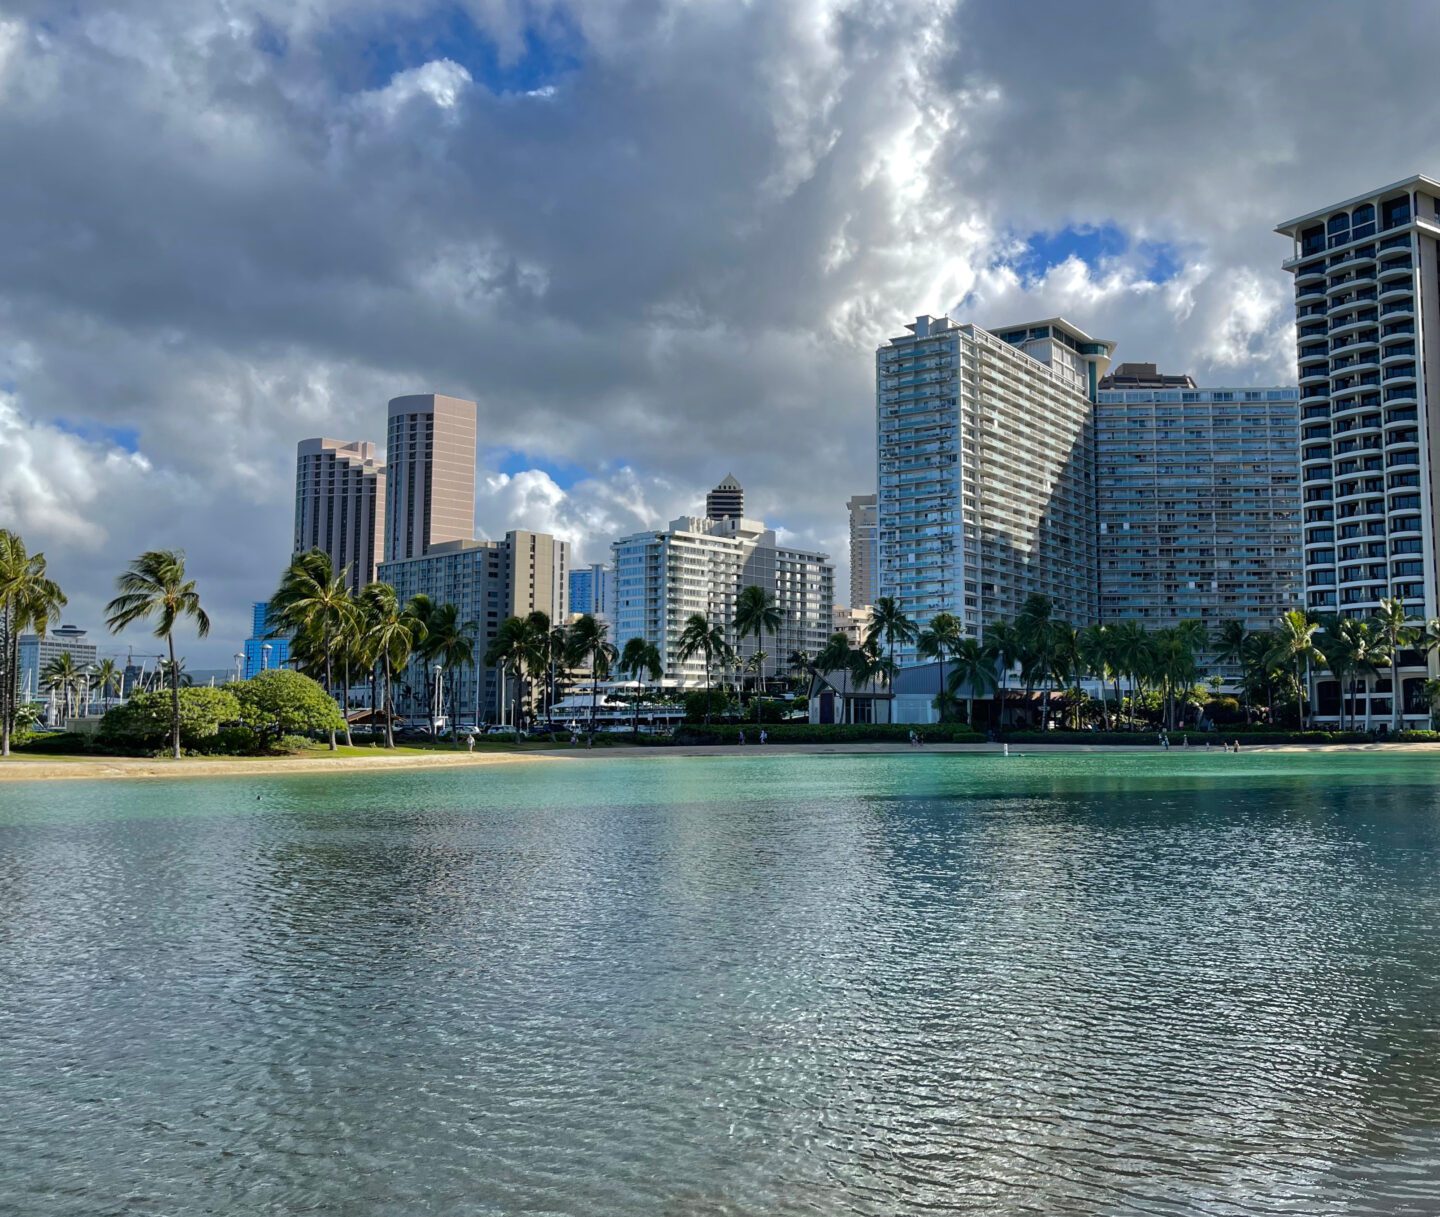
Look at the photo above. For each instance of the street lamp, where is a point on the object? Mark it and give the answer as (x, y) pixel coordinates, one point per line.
(439, 697)
(239, 665)
(265, 658)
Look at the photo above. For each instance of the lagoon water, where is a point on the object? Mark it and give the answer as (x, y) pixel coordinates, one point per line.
(773, 984)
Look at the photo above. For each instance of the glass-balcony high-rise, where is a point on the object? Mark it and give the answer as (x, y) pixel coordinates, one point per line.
(1366, 301)
(986, 447)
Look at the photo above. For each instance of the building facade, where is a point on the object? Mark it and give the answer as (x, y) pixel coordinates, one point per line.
(430, 474)
(487, 581)
(854, 623)
(340, 505)
(37, 651)
(1367, 311)
(590, 589)
(700, 566)
(726, 501)
(1198, 501)
(986, 470)
(862, 509)
(261, 651)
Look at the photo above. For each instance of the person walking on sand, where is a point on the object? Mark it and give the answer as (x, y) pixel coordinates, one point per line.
(764, 735)
(470, 744)
(742, 735)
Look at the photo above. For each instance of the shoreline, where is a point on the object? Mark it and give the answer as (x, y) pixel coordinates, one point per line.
(23, 769)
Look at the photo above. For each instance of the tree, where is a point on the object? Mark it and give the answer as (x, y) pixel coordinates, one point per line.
(313, 604)
(755, 613)
(63, 677)
(699, 637)
(509, 652)
(284, 702)
(1095, 653)
(641, 659)
(1003, 647)
(590, 647)
(107, 678)
(155, 586)
(448, 642)
(1033, 628)
(392, 634)
(939, 639)
(147, 718)
(29, 598)
(868, 665)
(888, 621)
(835, 656)
(974, 671)
(1392, 624)
(1229, 648)
(1293, 648)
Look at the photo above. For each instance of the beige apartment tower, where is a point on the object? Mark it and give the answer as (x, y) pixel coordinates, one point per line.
(340, 505)
(430, 457)
(863, 510)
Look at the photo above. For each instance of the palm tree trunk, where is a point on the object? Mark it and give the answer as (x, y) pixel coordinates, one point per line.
(1395, 686)
(174, 698)
(329, 685)
(345, 705)
(389, 708)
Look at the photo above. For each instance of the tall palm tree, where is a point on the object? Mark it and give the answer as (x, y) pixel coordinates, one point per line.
(29, 598)
(1064, 650)
(869, 665)
(154, 586)
(1393, 625)
(756, 613)
(1095, 650)
(449, 642)
(1004, 647)
(835, 656)
(1033, 628)
(939, 640)
(107, 678)
(590, 647)
(1294, 649)
(1229, 648)
(974, 671)
(313, 604)
(393, 632)
(62, 676)
(641, 659)
(511, 651)
(699, 637)
(888, 621)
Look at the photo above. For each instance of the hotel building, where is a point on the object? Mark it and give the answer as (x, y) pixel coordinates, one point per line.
(986, 452)
(1198, 501)
(430, 463)
(1366, 300)
(487, 581)
(699, 565)
(726, 500)
(862, 509)
(36, 651)
(590, 589)
(340, 505)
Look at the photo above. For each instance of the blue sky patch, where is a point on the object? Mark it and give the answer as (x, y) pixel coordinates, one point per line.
(449, 32)
(512, 461)
(93, 432)
(1093, 244)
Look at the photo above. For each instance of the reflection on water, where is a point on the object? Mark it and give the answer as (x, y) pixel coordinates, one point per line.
(776, 985)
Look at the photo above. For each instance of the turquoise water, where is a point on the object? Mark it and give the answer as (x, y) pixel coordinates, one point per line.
(770, 984)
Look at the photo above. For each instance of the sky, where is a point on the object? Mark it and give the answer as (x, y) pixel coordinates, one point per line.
(656, 241)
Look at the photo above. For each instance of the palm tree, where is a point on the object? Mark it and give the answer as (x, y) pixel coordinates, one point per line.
(1229, 648)
(757, 614)
(868, 665)
(392, 634)
(29, 598)
(1065, 661)
(155, 586)
(63, 677)
(590, 647)
(641, 659)
(449, 641)
(510, 651)
(1003, 647)
(313, 604)
(1293, 649)
(835, 656)
(974, 670)
(939, 639)
(1095, 651)
(699, 637)
(107, 678)
(1033, 628)
(1393, 626)
(888, 621)
(1134, 658)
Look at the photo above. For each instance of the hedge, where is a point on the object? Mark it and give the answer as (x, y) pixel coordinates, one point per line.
(816, 733)
(1142, 739)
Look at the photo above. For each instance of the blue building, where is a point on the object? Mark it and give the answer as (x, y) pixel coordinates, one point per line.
(262, 653)
(590, 589)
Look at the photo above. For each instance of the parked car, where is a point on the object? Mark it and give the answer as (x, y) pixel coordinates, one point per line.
(462, 732)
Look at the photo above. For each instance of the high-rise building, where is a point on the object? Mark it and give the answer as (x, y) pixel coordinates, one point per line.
(1198, 501)
(430, 474)
(700, 566)
(726, 501)
(1144, 376)
(986, 470)
(36, 651)
(340, 505)
(590, 589)
(1367, 311)
(261, 651)
(862, 508)
(487, 581)
(854, 623)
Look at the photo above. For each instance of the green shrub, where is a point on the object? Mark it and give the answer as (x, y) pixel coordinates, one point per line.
(281, 703)
(64, 743)
(143, 722)
(1149, 738)
(717, 702)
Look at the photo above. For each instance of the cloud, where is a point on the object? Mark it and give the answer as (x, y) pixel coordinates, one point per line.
(656, 241)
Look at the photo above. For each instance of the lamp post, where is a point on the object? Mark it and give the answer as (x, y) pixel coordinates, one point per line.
(239, 665)
(439, 698)
(265, 658)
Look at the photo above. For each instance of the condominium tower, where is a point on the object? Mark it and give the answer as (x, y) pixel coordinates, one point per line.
(1366, 300)
(726, 500)
(340, 505)
(486, 581)
(862, 508)
(700, 566)
(1198, 500)
(986, 470)
(430, 457)
(590, 589)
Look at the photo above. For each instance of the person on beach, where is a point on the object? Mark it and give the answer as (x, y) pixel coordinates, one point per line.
(742, 736)
(764, 735)
(470, 744)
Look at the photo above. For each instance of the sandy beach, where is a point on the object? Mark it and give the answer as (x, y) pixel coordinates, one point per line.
(22, 769)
